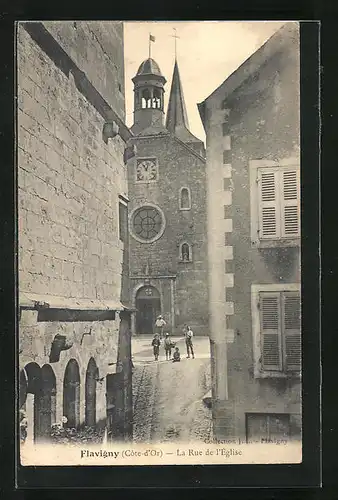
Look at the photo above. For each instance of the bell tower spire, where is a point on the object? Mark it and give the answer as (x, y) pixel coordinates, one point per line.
(148, 97)
(177, 118)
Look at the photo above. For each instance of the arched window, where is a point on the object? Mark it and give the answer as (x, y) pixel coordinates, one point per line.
(185, 199)
(157, 99)
(146, 99)
(185, 252)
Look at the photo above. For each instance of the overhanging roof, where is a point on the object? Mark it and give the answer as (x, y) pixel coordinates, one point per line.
(35, 301)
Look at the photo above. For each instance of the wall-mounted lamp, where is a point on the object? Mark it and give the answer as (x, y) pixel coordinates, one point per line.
(86, 333)
(110, 130)
(129, 153)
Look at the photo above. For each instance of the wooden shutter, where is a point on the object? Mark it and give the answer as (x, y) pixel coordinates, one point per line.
(270, 321)
(291, 331)
(269, 217)
(290, 209)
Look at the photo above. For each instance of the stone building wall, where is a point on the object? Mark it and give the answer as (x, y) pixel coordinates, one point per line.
(97, 49)
(178, 167)
(69, 182)
(261, 120)
(266, 127)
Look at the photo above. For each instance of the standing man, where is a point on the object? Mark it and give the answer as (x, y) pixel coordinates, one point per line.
(188, 341)
(159, 324)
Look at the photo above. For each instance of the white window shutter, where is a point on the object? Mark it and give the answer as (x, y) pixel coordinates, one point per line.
(270, 322)
(291, 331)
(269, 216)
(290, 203)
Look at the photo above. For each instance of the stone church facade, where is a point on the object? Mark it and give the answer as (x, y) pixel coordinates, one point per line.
(167, 209)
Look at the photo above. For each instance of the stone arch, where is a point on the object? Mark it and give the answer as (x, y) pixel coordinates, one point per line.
(47, 401)
(23, 381)
(32, 372)
(92, 375)
(71, 394)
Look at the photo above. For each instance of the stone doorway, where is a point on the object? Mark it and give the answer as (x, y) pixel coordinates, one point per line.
(148, 305)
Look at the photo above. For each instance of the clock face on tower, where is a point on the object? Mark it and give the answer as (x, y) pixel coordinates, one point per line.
(146, 170)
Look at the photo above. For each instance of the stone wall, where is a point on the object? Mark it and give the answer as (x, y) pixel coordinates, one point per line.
(266, 127)
(262, 119)
(97, 49)
(69, 182)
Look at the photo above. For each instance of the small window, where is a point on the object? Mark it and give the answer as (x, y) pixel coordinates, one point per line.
(276, 329)
(123, 220)
(185, 252)
(267, 427)
(185, 199)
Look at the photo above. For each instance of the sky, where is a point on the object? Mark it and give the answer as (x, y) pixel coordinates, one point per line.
(207, 53)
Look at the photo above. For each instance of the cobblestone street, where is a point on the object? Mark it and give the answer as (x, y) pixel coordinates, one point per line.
(168, 397)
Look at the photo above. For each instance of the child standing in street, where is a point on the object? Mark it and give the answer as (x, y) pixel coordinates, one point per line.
(168, 345)
(156, 345)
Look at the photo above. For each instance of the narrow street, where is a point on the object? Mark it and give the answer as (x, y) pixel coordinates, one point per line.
(167, 396)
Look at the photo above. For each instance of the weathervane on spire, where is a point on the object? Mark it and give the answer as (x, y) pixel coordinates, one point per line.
(175, 36)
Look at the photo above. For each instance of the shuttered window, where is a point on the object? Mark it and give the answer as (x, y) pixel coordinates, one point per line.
(279, 202)
(280, 331)
(292, 338)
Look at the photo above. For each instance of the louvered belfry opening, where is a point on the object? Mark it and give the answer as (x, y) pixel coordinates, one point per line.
(280, 331)
(279, 202)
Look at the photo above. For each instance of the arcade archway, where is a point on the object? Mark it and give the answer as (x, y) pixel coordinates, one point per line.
(92, 374)
(47, 401)
(71, 394)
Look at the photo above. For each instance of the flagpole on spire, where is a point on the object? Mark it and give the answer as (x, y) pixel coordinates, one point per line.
(151, 39)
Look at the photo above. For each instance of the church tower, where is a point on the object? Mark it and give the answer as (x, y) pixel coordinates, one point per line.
(148, 97)
(167, 209)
